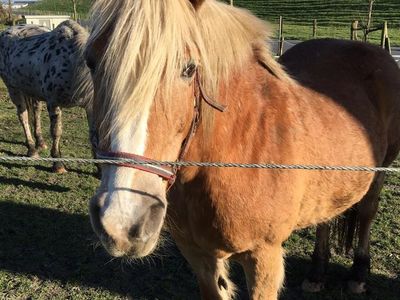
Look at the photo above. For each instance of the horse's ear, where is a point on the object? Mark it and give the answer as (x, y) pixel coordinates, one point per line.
(196, 3)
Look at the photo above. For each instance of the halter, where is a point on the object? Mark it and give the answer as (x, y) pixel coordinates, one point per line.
(168, 173)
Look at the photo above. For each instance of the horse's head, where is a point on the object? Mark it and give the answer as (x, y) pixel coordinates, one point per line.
(144, 66)
(150, 61)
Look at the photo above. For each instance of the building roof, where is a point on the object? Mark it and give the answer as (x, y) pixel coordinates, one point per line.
(47, 17)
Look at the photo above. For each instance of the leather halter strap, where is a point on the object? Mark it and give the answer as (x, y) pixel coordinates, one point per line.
(161, 171)
(169, 173)
(209, 101)
(200, 94)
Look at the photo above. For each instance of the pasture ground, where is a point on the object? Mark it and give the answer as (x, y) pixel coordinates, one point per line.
(48, 250)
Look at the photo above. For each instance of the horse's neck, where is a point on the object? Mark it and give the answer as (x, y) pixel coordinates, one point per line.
(258, 105)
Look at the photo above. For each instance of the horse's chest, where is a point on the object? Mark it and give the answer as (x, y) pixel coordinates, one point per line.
(230, 221)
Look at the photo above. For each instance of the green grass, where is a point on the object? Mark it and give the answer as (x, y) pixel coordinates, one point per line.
(326, 12)
(300, 11)
(48, 250)
(334, 17)
(61, 5)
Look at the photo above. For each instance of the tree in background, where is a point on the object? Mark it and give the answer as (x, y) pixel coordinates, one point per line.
(371, 5)
(3, 15)
(9, 10)
(369, 19)
(74, 10)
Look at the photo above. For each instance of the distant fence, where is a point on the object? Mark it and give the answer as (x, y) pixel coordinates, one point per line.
(355, 27)
(385, 40)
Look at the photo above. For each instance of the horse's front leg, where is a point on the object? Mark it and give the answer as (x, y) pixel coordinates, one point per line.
(56, 131)
(37, 110)
(212, 275)
(264, 269)
(320, 259)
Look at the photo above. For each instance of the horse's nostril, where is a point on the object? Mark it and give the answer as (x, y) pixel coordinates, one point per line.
(136, 232)
(148, 224)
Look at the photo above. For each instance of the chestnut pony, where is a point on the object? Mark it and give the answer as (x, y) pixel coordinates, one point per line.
(158, 68)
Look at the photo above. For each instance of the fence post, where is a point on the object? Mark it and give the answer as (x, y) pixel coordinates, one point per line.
(281, 38)
(353, 31)
(387, 45)
(384, 34)
(314, 32)
(281, 44)
(369, 19)
(385, 41)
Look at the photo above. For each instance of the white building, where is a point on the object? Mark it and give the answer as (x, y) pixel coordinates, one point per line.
(18, 6)
(48, 21)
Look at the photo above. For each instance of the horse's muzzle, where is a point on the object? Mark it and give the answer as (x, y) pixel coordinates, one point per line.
(133, 231)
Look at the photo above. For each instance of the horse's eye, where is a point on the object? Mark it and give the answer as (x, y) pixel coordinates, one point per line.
(189, 70)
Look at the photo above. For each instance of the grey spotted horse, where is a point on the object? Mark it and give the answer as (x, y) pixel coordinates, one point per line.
(38, 64)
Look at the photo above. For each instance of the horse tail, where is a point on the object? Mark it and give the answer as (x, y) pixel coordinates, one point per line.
(345, 230)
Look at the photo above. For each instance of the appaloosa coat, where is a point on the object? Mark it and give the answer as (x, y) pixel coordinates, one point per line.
(37, 64)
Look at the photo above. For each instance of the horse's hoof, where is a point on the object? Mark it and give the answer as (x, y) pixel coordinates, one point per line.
(33, 153)
(97, 174)
(59, 169)
(312, 287)
(356, 287)
(41, 146)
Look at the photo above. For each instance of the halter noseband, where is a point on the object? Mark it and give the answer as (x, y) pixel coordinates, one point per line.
(168, 173)
(163, 172)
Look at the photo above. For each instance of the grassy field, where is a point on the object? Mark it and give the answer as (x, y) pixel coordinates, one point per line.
(61, 5)
(327, 12)
(48, 250)
(334, 16)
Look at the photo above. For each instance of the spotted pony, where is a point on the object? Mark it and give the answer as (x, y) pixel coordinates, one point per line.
(37, 64)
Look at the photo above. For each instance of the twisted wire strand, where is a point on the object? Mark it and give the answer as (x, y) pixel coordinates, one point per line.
(117, 161)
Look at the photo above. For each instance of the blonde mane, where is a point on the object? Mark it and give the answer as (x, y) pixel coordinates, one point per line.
(150, 41)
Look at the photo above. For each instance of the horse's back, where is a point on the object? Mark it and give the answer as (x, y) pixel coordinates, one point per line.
(338, 54)
(362, 78)
(12, 41)
(23, 31)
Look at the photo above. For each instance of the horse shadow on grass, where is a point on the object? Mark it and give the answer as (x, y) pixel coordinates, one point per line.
(47, 169)
(8, 152)
(53, 245)
(21, 165)
(11, 142)
(33, 184)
